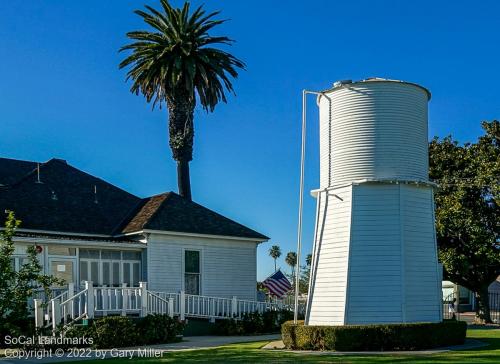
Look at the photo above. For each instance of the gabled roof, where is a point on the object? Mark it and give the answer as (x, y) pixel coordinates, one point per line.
(12, 170)
(171, 212)
(69, 200)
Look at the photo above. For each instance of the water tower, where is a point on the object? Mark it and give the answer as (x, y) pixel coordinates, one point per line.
(374, 253)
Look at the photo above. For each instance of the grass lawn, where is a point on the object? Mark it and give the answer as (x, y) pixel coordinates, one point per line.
(251, 353)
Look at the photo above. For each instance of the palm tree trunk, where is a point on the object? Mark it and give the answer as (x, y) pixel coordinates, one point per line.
(183, 179)
(275, 264)
(181, 131)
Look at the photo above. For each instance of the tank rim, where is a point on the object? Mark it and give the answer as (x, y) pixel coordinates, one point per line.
(375, 79)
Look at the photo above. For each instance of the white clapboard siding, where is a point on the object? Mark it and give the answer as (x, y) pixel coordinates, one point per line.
(393, 273)
(228, 267)
(328, 289)
(373, 130)
(374, 284)
(422, 279)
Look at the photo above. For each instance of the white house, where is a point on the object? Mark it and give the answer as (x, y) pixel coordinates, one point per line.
(89, 230)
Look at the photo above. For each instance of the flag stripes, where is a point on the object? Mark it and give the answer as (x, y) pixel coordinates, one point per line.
(277, 284)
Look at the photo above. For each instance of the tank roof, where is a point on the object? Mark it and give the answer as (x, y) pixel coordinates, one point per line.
(343, 83)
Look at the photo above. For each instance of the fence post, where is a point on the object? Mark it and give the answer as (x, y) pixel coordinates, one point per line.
(56, 314)
(212, 310)
(71, 293)
(38, 312)
(124, 299)
(144, 298)
(90, 299)
(234, 307)
(182, 305)
(456, 292)
(171, 307)
(71, 289)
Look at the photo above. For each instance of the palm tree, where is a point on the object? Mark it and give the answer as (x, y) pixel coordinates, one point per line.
(308, 260)
(291, 260)
(275, 253)
(175, 63)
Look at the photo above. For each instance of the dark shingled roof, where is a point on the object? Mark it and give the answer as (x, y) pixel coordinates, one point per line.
(171, 212)
(12, 170)
(65, 201)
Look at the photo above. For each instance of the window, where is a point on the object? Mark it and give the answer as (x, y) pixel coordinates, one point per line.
(192, 276)
(89, 253)
(131, 273)
(111, 268)
(17, 262)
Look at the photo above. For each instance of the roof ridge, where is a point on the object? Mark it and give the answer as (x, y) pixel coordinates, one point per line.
(128, 217)
(225, 217)
(92, 176)
(21, 179)
(64, 163)
(166, 197)
(18, 160)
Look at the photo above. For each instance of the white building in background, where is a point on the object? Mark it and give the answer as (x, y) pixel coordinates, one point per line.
(86, 229)
(374, 254)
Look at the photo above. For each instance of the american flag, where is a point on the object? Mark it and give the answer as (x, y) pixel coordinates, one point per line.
(277, 284)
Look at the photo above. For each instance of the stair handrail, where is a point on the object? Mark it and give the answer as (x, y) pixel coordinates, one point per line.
(168, 303)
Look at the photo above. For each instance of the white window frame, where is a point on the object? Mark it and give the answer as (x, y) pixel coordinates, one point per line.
(100, 262)
(183, 278)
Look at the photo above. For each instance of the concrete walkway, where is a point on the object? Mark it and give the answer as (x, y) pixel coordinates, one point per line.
(189, 343)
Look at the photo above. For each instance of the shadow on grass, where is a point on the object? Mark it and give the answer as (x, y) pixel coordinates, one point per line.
(251, 353)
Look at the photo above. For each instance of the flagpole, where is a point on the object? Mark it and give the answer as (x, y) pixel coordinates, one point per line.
(301, 201)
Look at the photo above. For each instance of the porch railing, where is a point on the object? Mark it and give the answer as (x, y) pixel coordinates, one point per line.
(71, 306)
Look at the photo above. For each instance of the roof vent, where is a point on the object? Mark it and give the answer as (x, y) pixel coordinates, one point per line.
(38, 173)
(341, 83)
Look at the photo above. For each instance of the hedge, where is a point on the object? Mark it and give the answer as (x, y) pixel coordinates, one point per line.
(412, 336)
(253, 323)
(116, 331)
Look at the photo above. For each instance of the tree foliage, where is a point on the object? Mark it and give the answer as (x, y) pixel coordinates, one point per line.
(176, 61)
(305, 273)
(16, 287)
(467, 210)
(291, 260)
(275, 253)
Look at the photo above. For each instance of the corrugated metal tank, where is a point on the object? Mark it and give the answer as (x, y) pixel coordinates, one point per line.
(373, 129)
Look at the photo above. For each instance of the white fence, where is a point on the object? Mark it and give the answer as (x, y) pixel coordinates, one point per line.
(93, 301)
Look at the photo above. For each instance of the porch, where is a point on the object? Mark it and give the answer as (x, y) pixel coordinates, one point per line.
(71, 306)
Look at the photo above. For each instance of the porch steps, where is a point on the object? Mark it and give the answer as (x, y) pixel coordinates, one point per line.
(71, 306)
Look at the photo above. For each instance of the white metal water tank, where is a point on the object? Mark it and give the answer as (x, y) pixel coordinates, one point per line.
(374, 254)
(373, 129)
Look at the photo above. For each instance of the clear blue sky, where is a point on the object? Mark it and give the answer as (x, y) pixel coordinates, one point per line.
(62, 95)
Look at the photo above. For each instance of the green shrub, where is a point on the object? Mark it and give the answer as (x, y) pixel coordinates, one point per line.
(413, 336)
(228, 327)
(117, 331)
(253, 323)
(114, 332)
(272, 320)
(159, 329)
(16, 327)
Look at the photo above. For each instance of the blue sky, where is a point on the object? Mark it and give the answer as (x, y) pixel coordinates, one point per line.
(62, 95)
